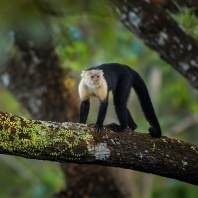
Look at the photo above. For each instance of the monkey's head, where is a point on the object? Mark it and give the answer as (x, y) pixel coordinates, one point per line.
(92, 78)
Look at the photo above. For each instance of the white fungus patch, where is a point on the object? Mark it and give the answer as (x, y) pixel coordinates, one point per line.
(34, 104)
(141, 156)
(163, 140)
(100, 151)
(193, 148)
(5, 78)
(189, 47)
(113, 142)
(117, 141)
(184, 65)
(34, 57)
(162, 38)
(184, 163)
(194, 63)
(51, 124)
(135, 20)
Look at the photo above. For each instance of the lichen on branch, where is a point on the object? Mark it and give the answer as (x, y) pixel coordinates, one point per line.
(41, 139)
(78, 143)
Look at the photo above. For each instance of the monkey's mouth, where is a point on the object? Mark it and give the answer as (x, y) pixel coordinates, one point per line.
(95, 84)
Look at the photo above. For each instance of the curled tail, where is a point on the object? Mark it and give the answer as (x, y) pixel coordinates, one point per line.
(146, 104)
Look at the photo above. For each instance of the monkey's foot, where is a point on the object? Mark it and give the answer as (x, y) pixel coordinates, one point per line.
(154, 133)
(115, 127)
(133, 126)
(98, 128)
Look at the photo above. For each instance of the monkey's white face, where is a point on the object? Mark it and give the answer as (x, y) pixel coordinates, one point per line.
(92, 78)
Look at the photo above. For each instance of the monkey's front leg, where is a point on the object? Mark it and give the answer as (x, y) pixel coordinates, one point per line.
(84, 110)
(101, 115)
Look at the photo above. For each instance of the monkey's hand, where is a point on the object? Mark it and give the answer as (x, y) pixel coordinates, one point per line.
(154, 133)
(99, 129)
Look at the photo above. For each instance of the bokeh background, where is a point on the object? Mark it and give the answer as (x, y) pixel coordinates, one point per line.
(82, 41)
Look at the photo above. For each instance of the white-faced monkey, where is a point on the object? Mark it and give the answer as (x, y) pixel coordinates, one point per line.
(98, 81)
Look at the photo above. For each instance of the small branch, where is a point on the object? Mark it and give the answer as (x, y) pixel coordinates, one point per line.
(161, 33)
(74, 142)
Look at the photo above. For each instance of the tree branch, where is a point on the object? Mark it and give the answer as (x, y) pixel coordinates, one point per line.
(162, 34)
(74, 142)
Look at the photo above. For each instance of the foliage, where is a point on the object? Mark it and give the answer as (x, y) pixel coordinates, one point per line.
(187, 19)
(84, 41)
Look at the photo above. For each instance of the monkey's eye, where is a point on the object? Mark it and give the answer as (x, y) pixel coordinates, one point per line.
(97, 76)
(92, 76)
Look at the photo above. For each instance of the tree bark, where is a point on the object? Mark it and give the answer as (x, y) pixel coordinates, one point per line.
(77, 143)
(162, 34)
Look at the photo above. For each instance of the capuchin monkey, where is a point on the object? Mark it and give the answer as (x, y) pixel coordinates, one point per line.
(98, 81)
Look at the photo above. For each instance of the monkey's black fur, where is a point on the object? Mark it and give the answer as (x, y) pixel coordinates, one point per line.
(120, 79)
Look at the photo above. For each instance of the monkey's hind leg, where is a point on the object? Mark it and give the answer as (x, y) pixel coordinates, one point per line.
(121, 96)
(131, 124)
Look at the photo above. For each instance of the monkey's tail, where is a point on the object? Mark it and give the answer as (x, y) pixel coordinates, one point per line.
(146, 104)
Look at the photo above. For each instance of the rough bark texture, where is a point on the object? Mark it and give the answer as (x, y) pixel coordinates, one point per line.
(162, 34)
(68, 142)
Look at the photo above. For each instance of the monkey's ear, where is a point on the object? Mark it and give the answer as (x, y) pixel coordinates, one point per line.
(101, 72)
(82, 73)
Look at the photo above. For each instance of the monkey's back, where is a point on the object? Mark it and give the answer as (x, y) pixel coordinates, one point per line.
(115, 72)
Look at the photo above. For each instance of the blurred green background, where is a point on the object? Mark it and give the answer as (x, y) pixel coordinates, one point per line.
(83, 41)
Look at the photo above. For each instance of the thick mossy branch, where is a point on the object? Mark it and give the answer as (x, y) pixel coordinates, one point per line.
(74, 142)
(42, 140)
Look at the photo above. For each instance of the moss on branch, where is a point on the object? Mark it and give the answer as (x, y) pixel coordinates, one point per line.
(74, 142)
(41, 139)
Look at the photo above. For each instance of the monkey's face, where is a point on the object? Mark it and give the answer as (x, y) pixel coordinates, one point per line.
(93, 78)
